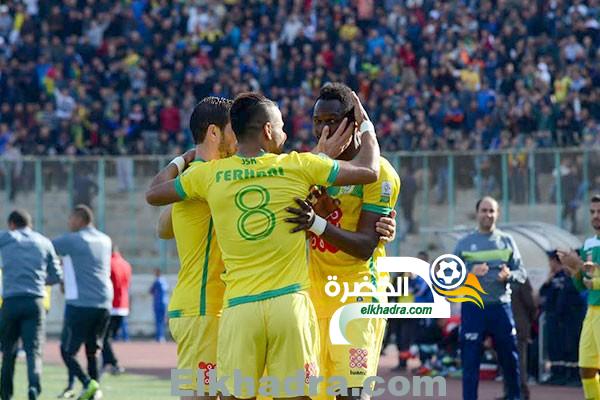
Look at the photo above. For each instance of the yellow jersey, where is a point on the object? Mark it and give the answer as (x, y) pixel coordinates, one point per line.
(341, 206)
(248, 198)
(199, 289)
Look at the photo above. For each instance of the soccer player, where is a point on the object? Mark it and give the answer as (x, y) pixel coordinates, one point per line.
(190, 232)
(266, 274)
(349, 246)
(586, 276)
(197, 299)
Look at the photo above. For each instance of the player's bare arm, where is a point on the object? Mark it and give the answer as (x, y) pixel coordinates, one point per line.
(360, 244)
(171, 170)
(162, 188)
(164, 229)
(163, 194)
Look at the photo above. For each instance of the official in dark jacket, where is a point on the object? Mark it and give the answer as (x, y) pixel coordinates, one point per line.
(29, 264)
(564, 309)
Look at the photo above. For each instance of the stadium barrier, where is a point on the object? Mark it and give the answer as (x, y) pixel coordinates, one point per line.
(550, 185)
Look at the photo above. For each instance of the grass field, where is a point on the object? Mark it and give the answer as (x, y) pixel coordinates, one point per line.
(123, 387)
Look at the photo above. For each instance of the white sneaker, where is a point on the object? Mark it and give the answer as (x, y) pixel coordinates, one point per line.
(67, 394)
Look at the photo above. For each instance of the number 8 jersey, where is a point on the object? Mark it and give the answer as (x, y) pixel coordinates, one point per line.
(247, 199)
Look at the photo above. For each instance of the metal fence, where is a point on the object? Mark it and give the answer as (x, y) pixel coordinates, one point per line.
(439, 190)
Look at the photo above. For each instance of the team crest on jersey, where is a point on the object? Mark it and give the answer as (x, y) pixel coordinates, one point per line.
(358, 360)
(386, 191)
(473, 247)
(346, 189)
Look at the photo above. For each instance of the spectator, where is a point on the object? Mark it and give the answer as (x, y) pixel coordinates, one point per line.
(407, 200)
(169, 118)
(160, 300)
(85, 188)
(120, 276)
(418, 58)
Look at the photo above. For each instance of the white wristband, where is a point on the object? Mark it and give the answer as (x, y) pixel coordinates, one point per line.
(179, 163)
(318, 226)
(365, 126)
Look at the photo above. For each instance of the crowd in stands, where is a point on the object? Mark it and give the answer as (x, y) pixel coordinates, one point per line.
(84, 77)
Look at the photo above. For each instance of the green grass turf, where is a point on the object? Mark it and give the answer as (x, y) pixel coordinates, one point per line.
(122, 387)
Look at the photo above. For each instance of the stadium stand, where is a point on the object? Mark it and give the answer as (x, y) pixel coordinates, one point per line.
(81, 77)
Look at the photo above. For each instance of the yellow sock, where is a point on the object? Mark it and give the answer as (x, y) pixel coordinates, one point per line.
(591, 388)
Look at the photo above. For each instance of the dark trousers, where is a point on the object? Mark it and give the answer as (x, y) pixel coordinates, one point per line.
(160, 313)
(497, 320)
(523, 345)
(562, 342)
(22, 317)
(87, 326)
(406, 333)
(108, 355)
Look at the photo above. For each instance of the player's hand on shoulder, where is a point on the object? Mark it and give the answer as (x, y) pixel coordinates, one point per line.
(304, 215)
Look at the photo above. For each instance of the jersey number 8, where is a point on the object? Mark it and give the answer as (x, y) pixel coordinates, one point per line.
(258, 209)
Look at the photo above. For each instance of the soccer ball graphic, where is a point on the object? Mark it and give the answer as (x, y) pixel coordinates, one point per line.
(448, 272)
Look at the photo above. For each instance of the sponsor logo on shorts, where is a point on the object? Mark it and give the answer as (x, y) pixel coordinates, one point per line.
(206, 367)
(358, 359)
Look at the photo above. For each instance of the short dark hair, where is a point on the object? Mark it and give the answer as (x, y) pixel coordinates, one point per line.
(477, 204)
(553, 255)
(19, 218)
(595, 198)
(481, 199)
(84, 212)
(337, 91)
(210, 111)
(250, 111)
